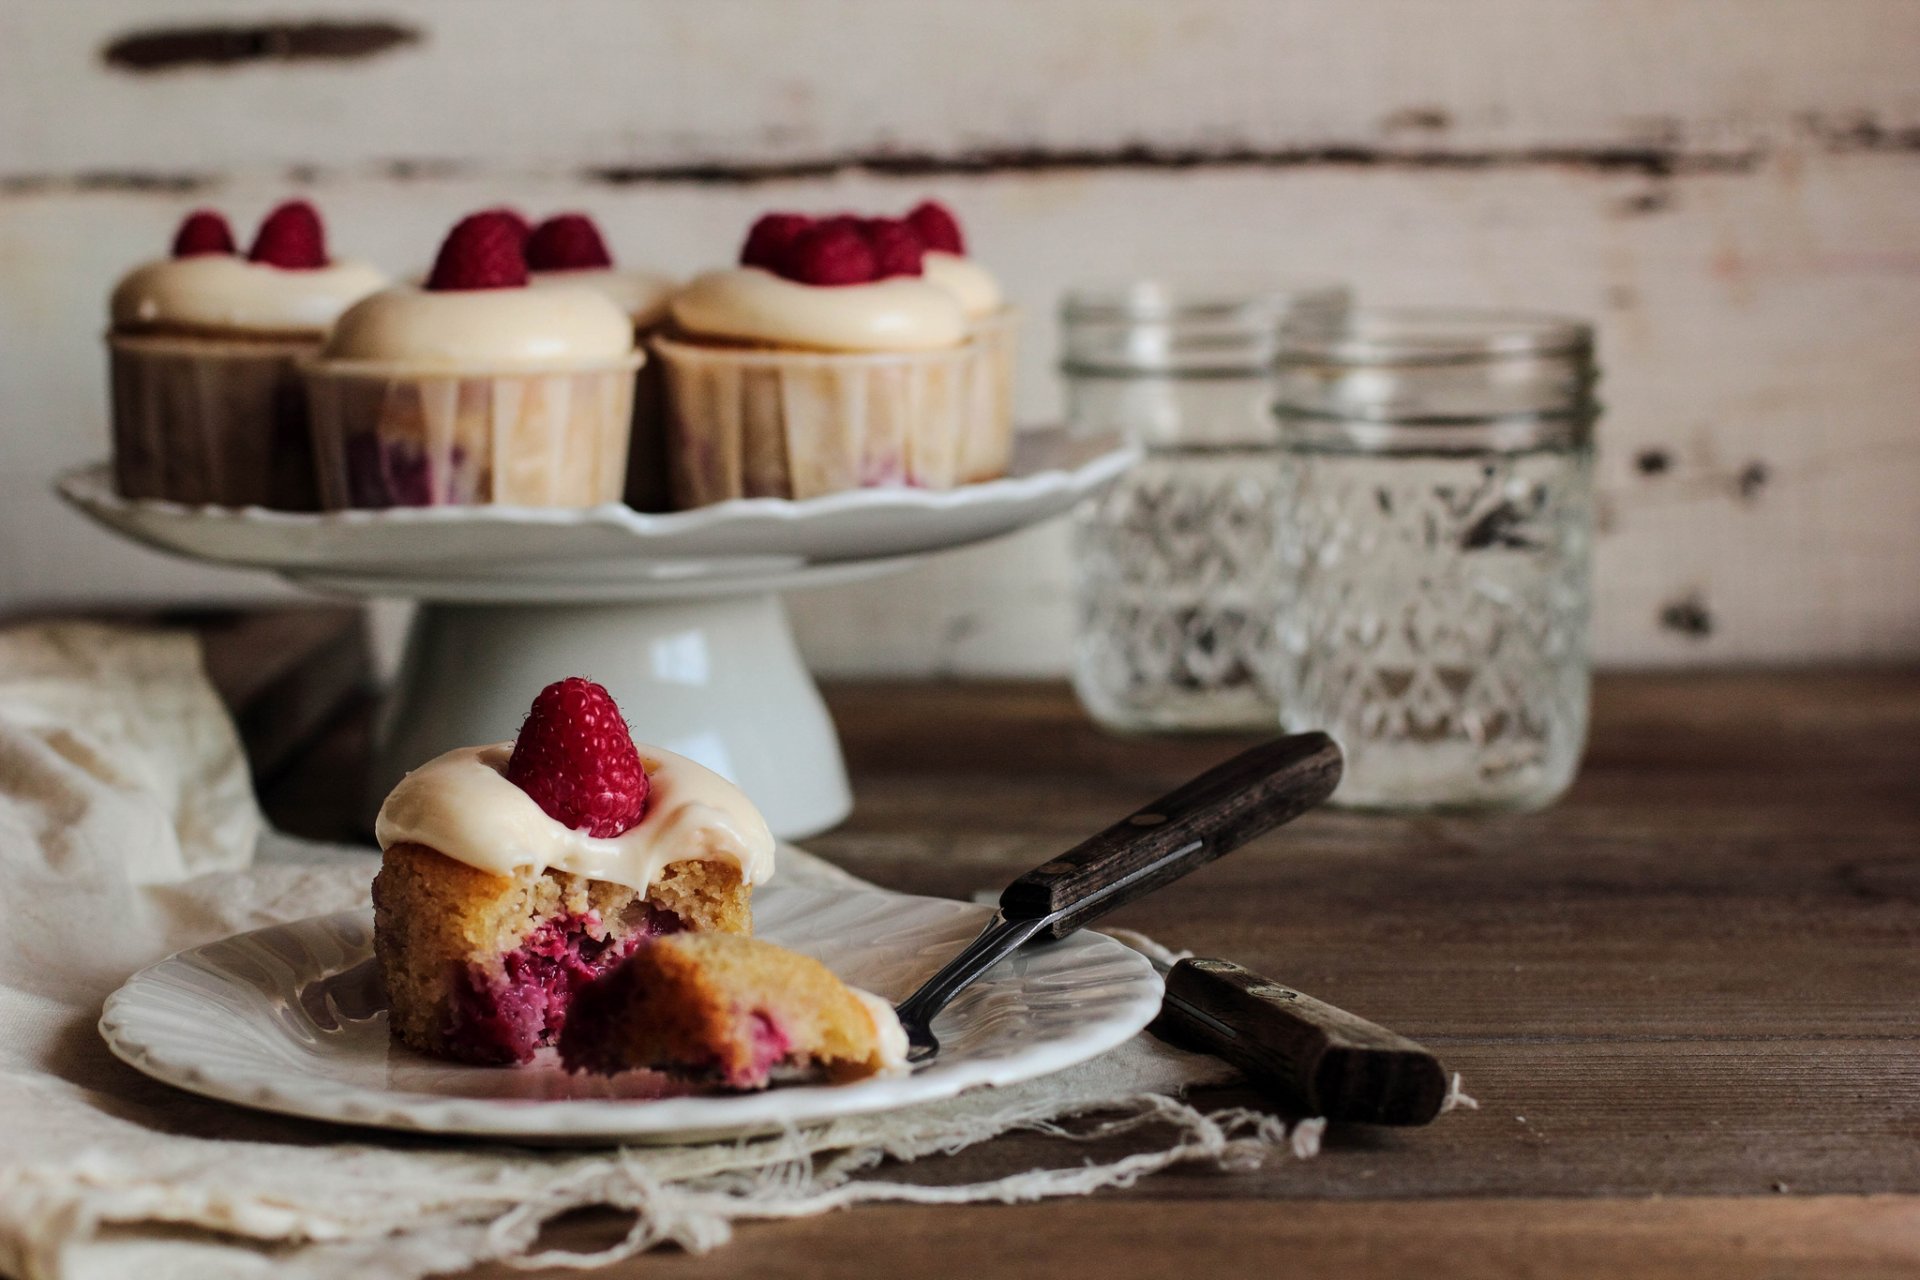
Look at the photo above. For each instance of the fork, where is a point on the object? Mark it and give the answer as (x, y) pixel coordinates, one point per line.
(1190, 826)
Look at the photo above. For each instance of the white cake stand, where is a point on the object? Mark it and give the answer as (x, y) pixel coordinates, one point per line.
(679, 615)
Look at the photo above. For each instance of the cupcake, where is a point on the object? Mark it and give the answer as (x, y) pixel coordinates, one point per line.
(825, 361)
(207, 406)
(990, 324)
(514, 874)
(568, 250)
(475, 388)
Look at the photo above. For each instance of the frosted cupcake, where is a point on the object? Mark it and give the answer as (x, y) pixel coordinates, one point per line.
(207, 406)
(475, 388)
(826, 361)
(568, 250)
(990, 325)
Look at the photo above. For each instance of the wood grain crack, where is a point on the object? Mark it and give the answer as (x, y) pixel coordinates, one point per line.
(157, 49)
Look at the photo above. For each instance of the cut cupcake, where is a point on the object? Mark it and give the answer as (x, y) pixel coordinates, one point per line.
(566, 251)
(825, 361)
(730, 1010)
(513, 875)
(475, 388)
(207, 406)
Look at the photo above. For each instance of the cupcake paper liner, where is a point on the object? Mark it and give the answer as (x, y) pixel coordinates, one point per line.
(386, 438)
(211, 421)
(753, 422)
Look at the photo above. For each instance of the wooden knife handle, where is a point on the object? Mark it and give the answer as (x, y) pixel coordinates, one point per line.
(1318, 1058)
(1188, 827)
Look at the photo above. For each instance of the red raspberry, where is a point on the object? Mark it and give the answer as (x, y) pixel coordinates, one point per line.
(575, 757)
(567, 242)
(937, 226)
(483, 251)
(897, 247)
(291, 238)
(772, 236)
(514, 216)
(204, 231)
(830, 254)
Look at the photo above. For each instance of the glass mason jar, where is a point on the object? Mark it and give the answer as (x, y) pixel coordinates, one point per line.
(1173, 567)
(1433, 523)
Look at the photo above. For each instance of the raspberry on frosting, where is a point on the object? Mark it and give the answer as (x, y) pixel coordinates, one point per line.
(575, 757)
(484, 250)
(897, 247)
(937, 226)
(292, 238)
(204, 231)
(831, 253)
(770, 239)
(567, 242)
(845, 248)
(514, 216)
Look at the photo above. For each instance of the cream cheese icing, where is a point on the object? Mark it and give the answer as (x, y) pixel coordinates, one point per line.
(642, 295)
(748, 304)
(223, 292)
(461, 805)
(886, 1024)
(970, 283)
(463, 329)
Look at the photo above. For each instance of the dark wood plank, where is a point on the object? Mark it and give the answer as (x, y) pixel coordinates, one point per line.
(1695, 1239)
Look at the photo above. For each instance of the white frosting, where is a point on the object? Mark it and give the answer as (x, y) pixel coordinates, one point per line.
(968, 281)
(747, 304)
(886, 1025)
(222, 292)
(460, 329)
(462, 805)
(641, 294)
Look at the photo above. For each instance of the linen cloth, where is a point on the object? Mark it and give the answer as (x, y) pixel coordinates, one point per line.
(128, 830)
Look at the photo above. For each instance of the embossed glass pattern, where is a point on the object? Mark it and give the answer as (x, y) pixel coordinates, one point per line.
(1174, 566)
(1432, 524)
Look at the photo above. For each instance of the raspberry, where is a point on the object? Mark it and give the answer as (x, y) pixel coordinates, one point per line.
(937, 226)
(567, 242)
(830, 254)
(519, 220)
(772, 236)
(897, 248)
(483, 251)
(291, 238)
(575, 757)
(204, 231)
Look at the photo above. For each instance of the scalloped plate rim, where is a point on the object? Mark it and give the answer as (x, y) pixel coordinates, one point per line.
(604, 1120)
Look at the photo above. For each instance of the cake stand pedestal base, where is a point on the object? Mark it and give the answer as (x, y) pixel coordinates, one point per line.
(717, 679)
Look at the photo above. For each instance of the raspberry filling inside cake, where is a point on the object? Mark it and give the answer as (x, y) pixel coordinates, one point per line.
(515, 875)
(503, 1013)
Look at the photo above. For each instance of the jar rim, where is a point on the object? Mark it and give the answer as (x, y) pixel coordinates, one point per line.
(1171, 298)
(1437, 335)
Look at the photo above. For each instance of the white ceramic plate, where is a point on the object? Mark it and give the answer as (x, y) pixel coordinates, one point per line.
(291, 1019)
(750, 536)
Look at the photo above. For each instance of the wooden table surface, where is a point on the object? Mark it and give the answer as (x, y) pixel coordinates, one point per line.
(1685, 997)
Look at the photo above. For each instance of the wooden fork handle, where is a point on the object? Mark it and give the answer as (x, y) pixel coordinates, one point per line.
(1188, 827)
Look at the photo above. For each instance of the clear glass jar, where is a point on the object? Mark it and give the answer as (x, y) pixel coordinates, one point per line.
(1433, 524)
(1174, 570)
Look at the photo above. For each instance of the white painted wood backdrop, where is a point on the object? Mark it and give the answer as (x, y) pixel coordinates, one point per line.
(1730, 187)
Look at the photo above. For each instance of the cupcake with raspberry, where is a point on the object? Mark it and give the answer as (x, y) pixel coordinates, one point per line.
(514, 874)
(990, 324)
(207, 406)
(474, 387)
(825, 361)
(568, 250)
